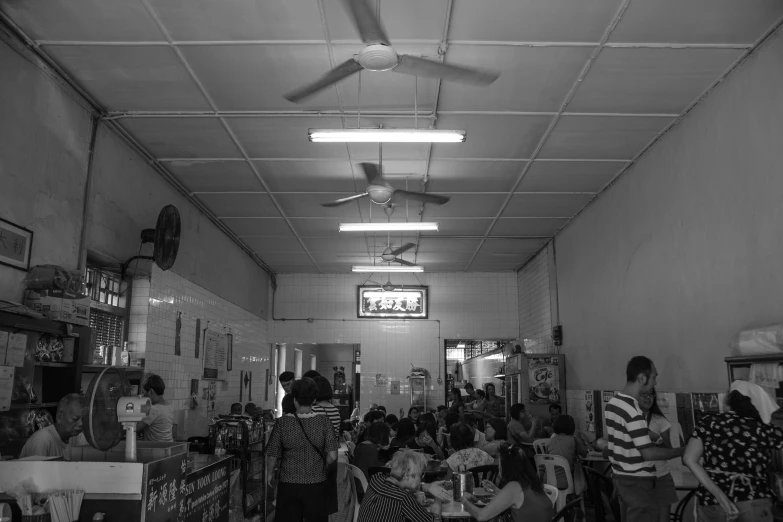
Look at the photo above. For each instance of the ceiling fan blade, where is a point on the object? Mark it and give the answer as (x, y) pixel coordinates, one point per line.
(344, 70)
(343, 201)
(367, 24)
(403, 262)
(372, 173)
(421, 196)
(431, 69)
(403, 248)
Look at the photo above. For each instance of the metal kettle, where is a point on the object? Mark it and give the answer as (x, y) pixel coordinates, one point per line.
(462, 482)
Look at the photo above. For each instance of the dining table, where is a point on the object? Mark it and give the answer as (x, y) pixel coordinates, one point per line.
(455, 509)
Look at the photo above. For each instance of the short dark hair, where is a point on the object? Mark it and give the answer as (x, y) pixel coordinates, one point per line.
(288, 404)
(413, 408)
(516, 410)
(515, 466)
(324, 388)
(392, 420)
(468, 385)
(304, 391)
(155, 383)
(564, 425)
(250, 408)
(406, 429)
(441, 408)
(499, 425)
(429, 427)
(451, 419)
(468, 419)
(374, 415)
(637, 365)
(378, 433)
(311, 374)
(382, 408)
(742, 405)
(236, 408)
(556, 407)
(286, 376)
(427, 417)
(457, 394)
(480, 394)
(461, 437)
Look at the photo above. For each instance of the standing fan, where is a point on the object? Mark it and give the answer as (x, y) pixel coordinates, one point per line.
(110, 410)
(164, 237)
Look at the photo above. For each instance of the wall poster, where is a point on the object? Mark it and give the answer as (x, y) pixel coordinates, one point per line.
(410, 302)
(215, 356)
(544, 378)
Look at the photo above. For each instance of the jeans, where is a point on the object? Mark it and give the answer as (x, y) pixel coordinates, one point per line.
(638, 502)
(749, 511)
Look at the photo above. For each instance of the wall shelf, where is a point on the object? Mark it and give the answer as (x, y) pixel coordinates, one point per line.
(33, 406)
(55, 364)
(95, 368)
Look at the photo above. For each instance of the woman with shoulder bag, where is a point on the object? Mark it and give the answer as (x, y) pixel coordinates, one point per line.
(304, 446)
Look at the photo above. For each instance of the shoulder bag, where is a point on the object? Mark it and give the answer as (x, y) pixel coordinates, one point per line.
(330, 488)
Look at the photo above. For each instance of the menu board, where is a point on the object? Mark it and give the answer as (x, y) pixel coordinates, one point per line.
(207, 494)
(215, 356)
(6, 387)
(544, 379)
(17, 346)
(164, 488)
(410, 302)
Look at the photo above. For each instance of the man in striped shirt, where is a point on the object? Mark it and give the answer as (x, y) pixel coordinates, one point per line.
(630, 449)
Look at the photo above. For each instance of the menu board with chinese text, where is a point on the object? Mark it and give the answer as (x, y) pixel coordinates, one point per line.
(410, 302)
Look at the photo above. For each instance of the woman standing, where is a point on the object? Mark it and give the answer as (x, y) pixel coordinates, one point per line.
(659, 429)
(522, 495)
(324, 404)
(455, 398)
(304, 446)
(729, 454)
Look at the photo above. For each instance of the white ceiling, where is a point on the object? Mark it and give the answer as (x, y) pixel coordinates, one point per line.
(585, 87)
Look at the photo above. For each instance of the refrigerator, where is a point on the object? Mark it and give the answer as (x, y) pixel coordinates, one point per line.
(535, 380)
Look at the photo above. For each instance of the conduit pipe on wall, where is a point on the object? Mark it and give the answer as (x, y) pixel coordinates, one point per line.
(86, 210)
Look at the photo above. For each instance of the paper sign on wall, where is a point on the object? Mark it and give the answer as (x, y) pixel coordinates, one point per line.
(17, 346)
(6, 387)
(3, 345)
(215, 353)
(395, 387)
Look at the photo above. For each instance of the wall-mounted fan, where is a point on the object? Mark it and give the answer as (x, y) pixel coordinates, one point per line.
(380, 56)
(164, 238)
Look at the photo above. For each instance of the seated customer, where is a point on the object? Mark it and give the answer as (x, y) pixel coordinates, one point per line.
(392, 497)
(523, 427)
(251, 410)
(406, 430)
(523, 494)
(366, 453)
(565, 444)
(495, 436)
(157, 426)
(52, 440)
(425, 440)
(464, 452)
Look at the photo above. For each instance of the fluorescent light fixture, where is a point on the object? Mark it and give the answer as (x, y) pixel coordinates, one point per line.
(387, 268)
(387, 227)
(386, 136)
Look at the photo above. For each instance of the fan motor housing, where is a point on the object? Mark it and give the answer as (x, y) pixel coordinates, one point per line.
(378, 57)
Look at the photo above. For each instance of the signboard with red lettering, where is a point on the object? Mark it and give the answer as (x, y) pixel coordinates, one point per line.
(410, 302)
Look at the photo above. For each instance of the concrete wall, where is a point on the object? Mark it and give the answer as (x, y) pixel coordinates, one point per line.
(685, 250)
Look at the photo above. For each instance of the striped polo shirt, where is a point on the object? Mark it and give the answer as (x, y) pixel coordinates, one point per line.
(627, 434)
(387, 502)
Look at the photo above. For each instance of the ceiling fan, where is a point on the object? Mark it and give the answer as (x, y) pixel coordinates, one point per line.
(390, 256)
(381, 192)
(388, 286)
(380, 56)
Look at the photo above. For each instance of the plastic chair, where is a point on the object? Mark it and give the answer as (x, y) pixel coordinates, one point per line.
(679, 511)
(488, 472)
(547, 464)
(552, 493)
(372, 470)
(598, 487)
(357, 474)
(570, 511)
(541, 446)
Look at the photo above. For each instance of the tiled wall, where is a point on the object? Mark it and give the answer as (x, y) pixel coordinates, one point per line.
(154, 306)
(535, 322)
(468, 306)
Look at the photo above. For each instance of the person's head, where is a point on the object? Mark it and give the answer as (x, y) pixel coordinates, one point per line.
(407, 468)
(324, 389)
(236, 409)
(469, 388)
(304, 391)
(383, 409)
(68, 419)
(555, 410)
(517, 411)
(391, 420)
(516, 467)
(373, 407)
(455, 395)
(251, 409)
(428, 417)
(640, 374)
(406, 430)
(413, 413)
(496, 430)
(154, 388)
(426, 433)
(648, 402)
(490, 390)
(564, 425)
(311, 374)
(469, 421)
(288, 404)
(374, 416)
(461, 437)
(451, 419)
(378, 433)
(739, 404)
(286, 381)
(480, 394)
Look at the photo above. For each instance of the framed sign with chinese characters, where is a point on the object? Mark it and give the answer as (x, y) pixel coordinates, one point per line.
(16, 244)
(410, 302)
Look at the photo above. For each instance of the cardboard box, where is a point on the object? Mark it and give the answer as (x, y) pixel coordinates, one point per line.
(59, 305)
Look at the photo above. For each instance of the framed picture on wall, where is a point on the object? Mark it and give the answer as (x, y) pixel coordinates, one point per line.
(16, 245)
(409, 302)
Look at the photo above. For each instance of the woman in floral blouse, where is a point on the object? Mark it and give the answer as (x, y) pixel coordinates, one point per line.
(736, 449)
(464, 453)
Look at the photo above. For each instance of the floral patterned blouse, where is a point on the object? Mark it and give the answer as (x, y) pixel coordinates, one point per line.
(736, 455)
(470, 457)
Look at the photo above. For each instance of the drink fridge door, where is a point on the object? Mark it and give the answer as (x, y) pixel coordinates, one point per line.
(419, 392)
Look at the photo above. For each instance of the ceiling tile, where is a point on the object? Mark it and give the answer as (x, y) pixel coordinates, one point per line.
(84, 20)
(280, 261)
(309, 205)
(511, 246)
(285, 268)
(533, 79)
(255, 77)
(396, 18)
(309, 176)
(239, 204)
(601, 137)
(540, 227)
(662, 81)
(334, 258)
(258, 226)
(492, 136)
(532, 20)
(317, 227)
(473, 176)
(206, 20)
(445, 267)
(501, 261)
(569, 176)
(282, 137)
(697, 21)
(496, 267)
(397, 169)
(215, 176)
(347, 244)
(393, 151)
(440, 245)
(546, 205)
(265, 245)
(466, 205)
(459, 227)
(182, 137)
(131, 78)
(450, 257)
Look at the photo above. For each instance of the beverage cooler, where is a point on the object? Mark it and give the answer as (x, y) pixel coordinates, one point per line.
(535, 380)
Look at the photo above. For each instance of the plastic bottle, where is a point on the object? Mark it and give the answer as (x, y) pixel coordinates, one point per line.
(98, 517)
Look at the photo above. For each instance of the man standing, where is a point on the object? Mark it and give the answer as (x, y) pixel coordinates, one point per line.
(630, 449)
(157, 426)
(52, 440)
(286, 381)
